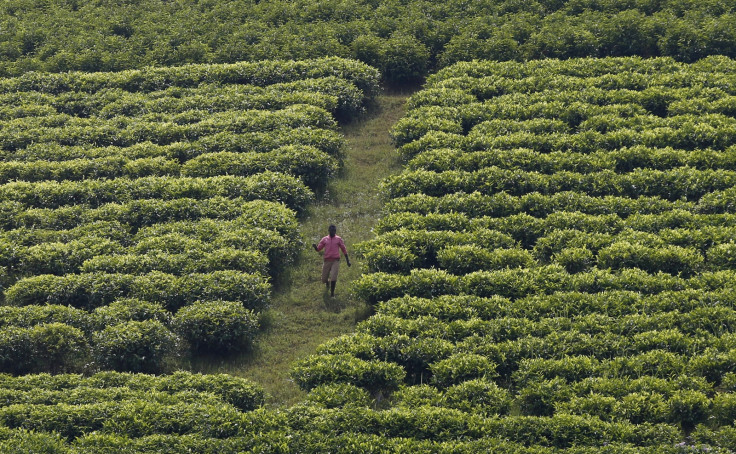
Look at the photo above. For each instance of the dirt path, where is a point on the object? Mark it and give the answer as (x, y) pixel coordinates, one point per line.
(302, 316)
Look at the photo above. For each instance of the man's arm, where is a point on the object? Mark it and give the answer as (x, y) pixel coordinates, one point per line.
(345, 252)
(320, 246)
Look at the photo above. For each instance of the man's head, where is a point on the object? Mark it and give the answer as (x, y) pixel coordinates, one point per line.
(332, 230)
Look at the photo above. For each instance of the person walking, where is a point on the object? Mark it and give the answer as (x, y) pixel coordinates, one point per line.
(332, 245)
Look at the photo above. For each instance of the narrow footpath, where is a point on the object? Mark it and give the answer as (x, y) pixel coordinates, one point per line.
(302, 315)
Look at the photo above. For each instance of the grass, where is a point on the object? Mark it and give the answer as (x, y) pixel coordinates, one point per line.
(302, 316)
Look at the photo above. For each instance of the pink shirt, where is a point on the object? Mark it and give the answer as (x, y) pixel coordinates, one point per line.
(332, 247)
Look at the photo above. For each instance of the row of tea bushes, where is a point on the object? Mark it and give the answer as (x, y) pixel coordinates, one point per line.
(167, 196)
(405, 40)
(128, 334)
(560, 248)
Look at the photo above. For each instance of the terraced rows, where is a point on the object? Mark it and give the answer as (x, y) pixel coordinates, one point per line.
(559, 248)
(144, 212)
(554, 273)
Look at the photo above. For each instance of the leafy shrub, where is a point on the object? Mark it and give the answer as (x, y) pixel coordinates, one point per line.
(134, 346)
(417, 396)
(216, 326)
(462, 367)
(97, 289)
(48, 347)
(723, 256)
(464, 259)
(58, 347)
(22, 441)
(575, 260)
(688, 408)
(29, 316)
(236, 391)
(478, 396)
(130, 309)
(16, 350)
(390, 259)
(339, 395)
(712, 364)
(311, 165)
(538, 398)
(375, 376)
(724, 408)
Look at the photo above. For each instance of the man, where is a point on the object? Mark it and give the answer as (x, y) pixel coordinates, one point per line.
(332, 244)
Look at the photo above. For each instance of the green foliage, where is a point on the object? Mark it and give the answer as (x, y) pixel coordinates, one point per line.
(57, 347)
(558, 247)
(107, 37)
(216, 326)
(460, 368)
(555, 262)
(478, 396)
(132, 194)
(688, 408)
(47, 347)
(129, 309)
(338, 395)
(134, 346)
(375, 376)
(575, 260)
(390, 259)
(92, 290)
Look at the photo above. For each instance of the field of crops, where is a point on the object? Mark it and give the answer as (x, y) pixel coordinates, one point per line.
(554, 270)
(557, 260)
(554, 274)
(404, 39)
(145, 211)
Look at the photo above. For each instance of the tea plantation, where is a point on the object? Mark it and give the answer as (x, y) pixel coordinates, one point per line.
(557, 259)
(554, 273)
(405, 39)
(554, 269)
(145, 211)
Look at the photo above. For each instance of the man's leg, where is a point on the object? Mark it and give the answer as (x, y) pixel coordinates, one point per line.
(326, 267)
(333, 276)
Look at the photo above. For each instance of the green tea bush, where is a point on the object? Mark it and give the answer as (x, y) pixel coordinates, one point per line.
(129, 309)
(194, 261)
(264, 186)
(134, 346)
(48, 347)
(92, 290)
(460, 368)
(417, 396)
(29, 316)
(478, 396)
(339, 395)
(575, 260)
(724, 406)
(16, 350)
(688, 408)
(216, 326)
(58, 347)
(374, 376)
(311, 165)
(390, 259)
(470, 258)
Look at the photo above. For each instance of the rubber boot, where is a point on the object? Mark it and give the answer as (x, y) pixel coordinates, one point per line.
(332, 288)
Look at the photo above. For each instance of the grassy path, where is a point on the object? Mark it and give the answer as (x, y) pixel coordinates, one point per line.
(302, 316)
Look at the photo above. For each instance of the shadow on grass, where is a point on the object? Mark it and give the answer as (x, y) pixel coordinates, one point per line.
(335, 303)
